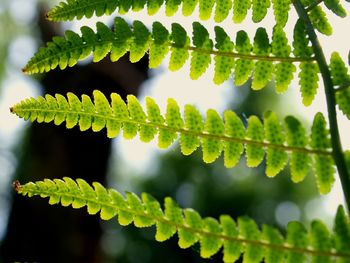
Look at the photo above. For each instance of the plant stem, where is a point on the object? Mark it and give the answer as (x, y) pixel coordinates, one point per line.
(330, 99)
(312, 6)
(343, 87)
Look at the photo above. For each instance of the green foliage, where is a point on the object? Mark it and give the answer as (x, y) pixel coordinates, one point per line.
(323, 165)
(320, 21)
(260, 59)
(213, 134)
(335, 7)
(72, 9)
(272, 59)
(242, 236)
(341, 78)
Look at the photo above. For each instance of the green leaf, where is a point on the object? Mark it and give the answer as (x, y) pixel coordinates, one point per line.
(232, 249)
(301, 42)
(240, 9)
(188, 7)
(223, 65)
(275, 159)
(243, 67)
(265, 62)
(193, 122)
(205, 9)
(210, 245)
(281, 10)
(159, 48)
(125, 6)
(255, 132)
(199, 60)
(93, 206)
(343, 101)
(171, 7)
(296, 237)
(341, 78)
(122, 34)
(212, 147)
(319, 244)
(107, 212)
(249, 231)
(235, 129)
(323, 165)
(188, 236)
(172, 214)
(321, 240)
(137, 114)
(104, 35)
(273, 236)
(342, 233)
(179, 54)
(338, 69)
(319, 21)
(213, 134)
(308, 81)
(335, 7)
(283, 70)
(137, 207)
(102, 107)
(296, 136)
(153, 6)
(263, 69)
(259, 9)
(141, 42)
(222, 10)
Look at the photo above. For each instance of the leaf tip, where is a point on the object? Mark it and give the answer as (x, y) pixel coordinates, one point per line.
(16, 185)
(48, 16)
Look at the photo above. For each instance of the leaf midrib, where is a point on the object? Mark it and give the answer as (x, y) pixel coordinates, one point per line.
(182, 130)
(34, 64)
(284, 246)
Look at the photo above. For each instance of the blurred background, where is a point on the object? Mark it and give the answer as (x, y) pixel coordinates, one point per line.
(33, 231)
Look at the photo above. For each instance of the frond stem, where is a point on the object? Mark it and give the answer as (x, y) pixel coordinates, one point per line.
(49, 58)
(330, 99)
(282, 247)
(343, 87)
(193, 133)
(313, 5)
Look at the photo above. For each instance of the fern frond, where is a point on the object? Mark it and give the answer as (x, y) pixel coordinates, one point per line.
(318, 17)
(262, 60)
(236, 237)
(341, 78)
(213, 134)
(221, 9)
(332, 5)
(320, 21)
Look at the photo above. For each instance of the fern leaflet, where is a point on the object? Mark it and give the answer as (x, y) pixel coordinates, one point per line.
(272, 60)
(220, 8)
(341, 78)
(213, 134)
(236, 237)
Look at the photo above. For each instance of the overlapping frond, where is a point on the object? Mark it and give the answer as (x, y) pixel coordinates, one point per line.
(341, 79)
(214, 134)
(233, 237)
(219, 9)
(263, 59)
(318, 16)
